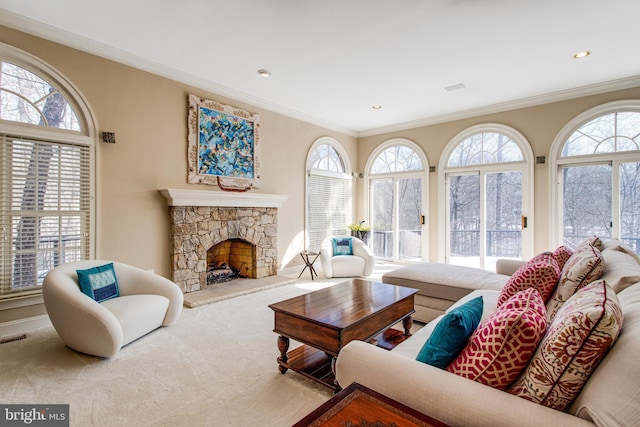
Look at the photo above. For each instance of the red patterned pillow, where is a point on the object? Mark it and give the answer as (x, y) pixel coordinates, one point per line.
(562, 255)
(578, 338)
(540, 272)
(583, 267)
(502, 345)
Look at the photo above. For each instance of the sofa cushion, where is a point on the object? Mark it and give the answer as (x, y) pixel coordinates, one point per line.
(562, 255)
(99, 283)
(342, 246)
(617, 245)
(502, 345)
(138, 314)
(620, 270)
(584, 266)
(579, 336)
(541, 273)
(451, 334)
(610, 397)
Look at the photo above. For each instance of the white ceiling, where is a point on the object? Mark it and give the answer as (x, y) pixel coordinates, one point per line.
(332, 60)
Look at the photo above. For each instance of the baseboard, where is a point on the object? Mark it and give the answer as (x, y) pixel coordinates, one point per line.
(20, 326)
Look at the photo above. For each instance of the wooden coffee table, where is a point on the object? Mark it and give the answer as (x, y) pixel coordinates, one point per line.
(358, 405)
(324, 321)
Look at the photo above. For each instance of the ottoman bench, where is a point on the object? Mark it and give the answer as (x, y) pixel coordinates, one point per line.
(441, 285)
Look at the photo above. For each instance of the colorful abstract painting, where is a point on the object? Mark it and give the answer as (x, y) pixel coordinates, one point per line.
(223, 144)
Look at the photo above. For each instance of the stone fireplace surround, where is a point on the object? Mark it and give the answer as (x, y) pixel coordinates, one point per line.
(201, 219)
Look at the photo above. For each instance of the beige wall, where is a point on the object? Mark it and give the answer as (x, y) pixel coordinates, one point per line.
(539, 125)
(148, 115)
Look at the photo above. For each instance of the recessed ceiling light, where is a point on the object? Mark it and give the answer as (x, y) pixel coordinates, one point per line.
(377, 107)
(582, 54)
(455, 87)
(264, 73)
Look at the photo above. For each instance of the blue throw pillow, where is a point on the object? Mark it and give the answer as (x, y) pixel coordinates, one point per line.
(451, 334)
(100, 283)
(342, 246)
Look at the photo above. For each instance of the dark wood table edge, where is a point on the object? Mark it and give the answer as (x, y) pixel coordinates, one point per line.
(317, 414)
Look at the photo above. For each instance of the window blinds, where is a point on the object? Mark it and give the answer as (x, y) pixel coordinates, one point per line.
(329, 206)
(44, 212)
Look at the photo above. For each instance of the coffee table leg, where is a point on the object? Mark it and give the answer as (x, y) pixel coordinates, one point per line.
(283, 347)
(407, 322)
(333, 370)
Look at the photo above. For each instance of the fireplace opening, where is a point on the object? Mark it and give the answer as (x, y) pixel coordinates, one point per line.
(229, 260)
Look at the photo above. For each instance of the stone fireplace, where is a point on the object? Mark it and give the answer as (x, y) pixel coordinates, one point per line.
(212, 229)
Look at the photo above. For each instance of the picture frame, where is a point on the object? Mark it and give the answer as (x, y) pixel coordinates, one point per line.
(223, 145)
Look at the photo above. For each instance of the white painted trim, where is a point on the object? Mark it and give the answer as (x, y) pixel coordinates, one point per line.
(21, 326)
(526, 166)
(179, 197)
(424, 174)
(555, 206)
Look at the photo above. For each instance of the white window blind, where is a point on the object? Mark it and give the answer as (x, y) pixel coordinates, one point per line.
(328, 206)
(45, 210)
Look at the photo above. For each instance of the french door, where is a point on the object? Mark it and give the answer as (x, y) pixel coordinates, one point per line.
(397, 217)
(484, 217)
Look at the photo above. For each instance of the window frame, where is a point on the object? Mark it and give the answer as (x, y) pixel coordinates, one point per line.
(309, 171)
(557, 162)
(86, 137)
(423, 173)
(525, 166)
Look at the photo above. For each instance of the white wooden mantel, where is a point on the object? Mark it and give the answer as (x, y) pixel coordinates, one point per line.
(179, 197)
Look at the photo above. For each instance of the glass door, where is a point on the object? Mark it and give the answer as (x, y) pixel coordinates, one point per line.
(484, 217)
(396, 218)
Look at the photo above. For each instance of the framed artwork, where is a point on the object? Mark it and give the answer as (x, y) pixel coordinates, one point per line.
(223, 145)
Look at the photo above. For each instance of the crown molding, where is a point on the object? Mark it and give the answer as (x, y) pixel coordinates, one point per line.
(594, 89)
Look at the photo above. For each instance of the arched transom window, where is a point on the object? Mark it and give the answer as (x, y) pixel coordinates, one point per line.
(27, 98)
(325, 157)
(398, 158)
(485, 148)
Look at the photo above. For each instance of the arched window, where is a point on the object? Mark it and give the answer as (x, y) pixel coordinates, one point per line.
(487, 172)
(46, 150)
(329, 192)
(596, 167)
(396, 175)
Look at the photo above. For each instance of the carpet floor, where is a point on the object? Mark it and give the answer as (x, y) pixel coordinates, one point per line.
(215, 367)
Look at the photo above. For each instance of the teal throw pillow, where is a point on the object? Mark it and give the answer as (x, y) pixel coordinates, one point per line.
(451, 334)
(342, 246)
(100, 283)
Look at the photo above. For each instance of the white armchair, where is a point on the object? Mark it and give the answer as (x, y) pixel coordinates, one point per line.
(146, 302)
(361, 263)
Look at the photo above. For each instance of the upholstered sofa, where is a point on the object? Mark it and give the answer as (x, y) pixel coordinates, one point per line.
(608, 398)
(358, 261)
(146, 302)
